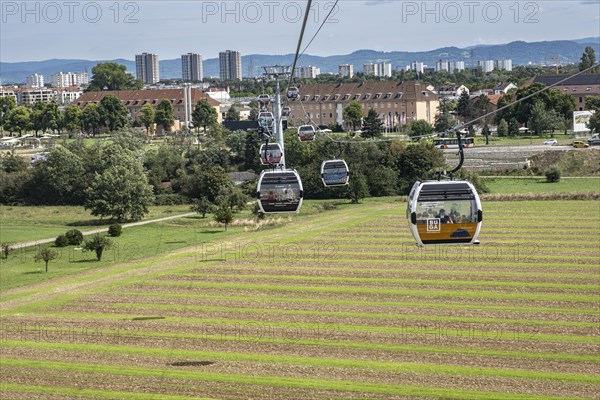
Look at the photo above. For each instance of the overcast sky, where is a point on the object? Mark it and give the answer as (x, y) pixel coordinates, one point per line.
(97, 30)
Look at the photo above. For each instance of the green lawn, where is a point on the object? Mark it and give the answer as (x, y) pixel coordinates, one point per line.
(27, 223)
(513, 185)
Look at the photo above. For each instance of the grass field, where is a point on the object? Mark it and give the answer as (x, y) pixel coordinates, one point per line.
(335, 305)
(510, 185)
(20, 224)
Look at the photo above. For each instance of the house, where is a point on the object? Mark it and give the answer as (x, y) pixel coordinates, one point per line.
(396, 103)
(504, 87)
(452, 92)
(580, 86)
(133, 100)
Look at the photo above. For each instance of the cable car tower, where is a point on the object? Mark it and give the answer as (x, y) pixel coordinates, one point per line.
(280, 189)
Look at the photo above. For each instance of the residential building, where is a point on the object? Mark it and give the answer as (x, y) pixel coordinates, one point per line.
(146, 68)
(65, 96)
(385, 69)
(580, 86)
(503, 64)
(417, 67)
(346, 70)
(441, 66)
(452, 92)
(487, 65)
(454, 66)
(35, 81)
(66, 79)
(370, 69)
(230, 65)
(309, 72)
(191, 67)
(29, 96)
(504, 87)
(133, 100)
(396, 103)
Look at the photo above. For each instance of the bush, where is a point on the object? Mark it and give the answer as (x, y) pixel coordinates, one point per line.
(552, 174)
(61, 241)
(74, 237)
(170, 199)
(115, 230)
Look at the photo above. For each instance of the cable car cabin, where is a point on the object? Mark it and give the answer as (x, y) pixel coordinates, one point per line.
(334, 173)
(444, 212)
(286, 111)
(264, 99)
(279, 191)
(293, 93)
(265, 119)
(273, 154)
(306, 133)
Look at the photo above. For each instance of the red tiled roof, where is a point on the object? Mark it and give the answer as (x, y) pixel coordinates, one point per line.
(152, 96)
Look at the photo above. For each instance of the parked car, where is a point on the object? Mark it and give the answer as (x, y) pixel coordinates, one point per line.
(580, 144)
(594, 140)
(551, 142)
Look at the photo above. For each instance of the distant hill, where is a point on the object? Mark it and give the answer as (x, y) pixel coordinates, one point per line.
(568, 51)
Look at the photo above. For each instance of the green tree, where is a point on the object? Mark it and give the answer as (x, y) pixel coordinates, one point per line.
(202, 206)
(372, 125)
(513, 127)
(72, 118)
(52, 116)
(419, 127)
(444, 120)
(357, 188)
(254, 110)
(164, 115)
(502, 128)
(224, 214)
(19, 119)
(594, 123)
(232, 114)
(112, 76)
(233, 197)
(204, 115)
(7, 104)
(543, 120)
(588, 59)
(37, 122)
(353, 114)
(91, 119)
(113, 112)
(98, 243)
(147, 116)
(63, 178)
(463, 105)
(120, 190)
(45, 254)
(592, 102)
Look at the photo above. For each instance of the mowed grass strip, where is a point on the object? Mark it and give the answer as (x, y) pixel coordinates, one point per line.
(78, 392)
(329, 362)
(312, 300)
(593, 298)
(388, 281)
(348, 314)
(269, 381)
(466, 331)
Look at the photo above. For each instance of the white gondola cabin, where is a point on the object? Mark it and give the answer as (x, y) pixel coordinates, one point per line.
(266, 119)
(286, 111)
(264, 100)
(306, 133)
(293, 93)
(334, 173)
(271, 154)
(444, 212)
(279, 191)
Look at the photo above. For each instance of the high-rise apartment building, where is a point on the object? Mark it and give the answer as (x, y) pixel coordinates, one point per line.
(230, 65)
(346, 70)
(35, 81)
(146, 67)
(66, 79)
(191, 67)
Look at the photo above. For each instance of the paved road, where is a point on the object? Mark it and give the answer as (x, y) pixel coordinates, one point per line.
(100, 230)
